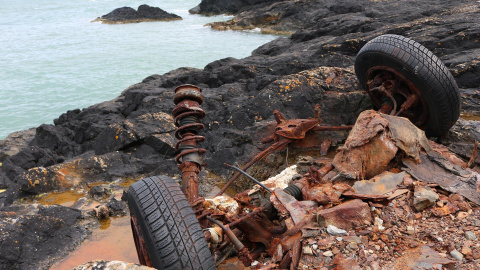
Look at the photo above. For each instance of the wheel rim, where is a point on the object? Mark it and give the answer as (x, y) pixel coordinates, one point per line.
(140, 245)
(394, 94)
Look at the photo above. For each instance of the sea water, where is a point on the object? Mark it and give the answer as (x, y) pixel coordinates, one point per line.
(54, 59)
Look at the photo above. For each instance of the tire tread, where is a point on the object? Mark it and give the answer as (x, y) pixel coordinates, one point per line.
(171, 224)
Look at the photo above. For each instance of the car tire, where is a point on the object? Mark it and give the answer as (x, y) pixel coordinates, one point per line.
(166, 231)
(420, 67)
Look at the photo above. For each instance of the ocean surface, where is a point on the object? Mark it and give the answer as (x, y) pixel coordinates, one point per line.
(54, 59)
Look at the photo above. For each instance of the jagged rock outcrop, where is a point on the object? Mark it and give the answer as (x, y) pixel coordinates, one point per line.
(447, 28)
(213, 7)
(145, 13)
(31, 237)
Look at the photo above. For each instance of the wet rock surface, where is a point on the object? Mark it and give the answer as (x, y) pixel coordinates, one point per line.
(111, 265)
(31, 237)
(144, 13)
(131, 136)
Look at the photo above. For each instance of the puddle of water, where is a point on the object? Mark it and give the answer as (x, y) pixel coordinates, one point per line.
(114, 243)
(105, 223)
(470, 117)
(65, 198)
(128, 182)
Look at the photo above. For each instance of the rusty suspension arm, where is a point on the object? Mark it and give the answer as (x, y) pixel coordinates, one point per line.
(243, 253)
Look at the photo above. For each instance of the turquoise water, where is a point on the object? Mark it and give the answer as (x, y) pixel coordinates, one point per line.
(54, 59)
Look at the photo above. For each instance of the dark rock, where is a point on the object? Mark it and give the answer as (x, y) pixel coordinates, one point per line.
(99, 192)
(424, 197)
(15, 142)
(461, 138)
(212, 7)
(33, 241)
(71, 174)
(144, 13)
(345, 26)
(117, 208)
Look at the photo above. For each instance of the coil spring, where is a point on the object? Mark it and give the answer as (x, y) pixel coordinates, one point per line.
(188, 114)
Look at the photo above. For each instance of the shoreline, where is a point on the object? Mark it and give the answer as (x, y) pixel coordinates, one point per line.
(132, 135)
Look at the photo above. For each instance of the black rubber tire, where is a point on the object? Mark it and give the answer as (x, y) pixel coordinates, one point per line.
(169, 227)
(423, 69)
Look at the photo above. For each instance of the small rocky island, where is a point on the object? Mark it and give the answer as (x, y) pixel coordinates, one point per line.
(145, 13)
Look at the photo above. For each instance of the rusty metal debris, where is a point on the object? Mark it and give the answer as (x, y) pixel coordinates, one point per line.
(383, 81)
(244, 255)
(455, 180)
(423, 258)
(286, 132)
(269, 226)
(374, 142)
(380, 184)
(474, 155)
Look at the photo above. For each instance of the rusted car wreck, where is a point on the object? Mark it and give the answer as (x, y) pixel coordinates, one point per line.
(386, 156)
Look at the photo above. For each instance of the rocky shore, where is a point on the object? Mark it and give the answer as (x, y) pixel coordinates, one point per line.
(144, 13)
(131, 136)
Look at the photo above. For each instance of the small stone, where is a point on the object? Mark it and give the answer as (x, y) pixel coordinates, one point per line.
(410, 230)
(467, 251)
(462, 215)
(352, 246)
(424, 197)
(310, 233)
(370, 251)
(408, 181)
(314, 246)
(470, 235)
(307, 250)
(335, 231)
(329, 253)
(379, 223)
(457, 255)
(476, 222)
(377, 247)
(102, 212)
(339, 239)
(476, 254)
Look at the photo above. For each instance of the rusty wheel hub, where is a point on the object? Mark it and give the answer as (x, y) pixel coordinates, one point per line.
(394, 94)
(140, 244)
